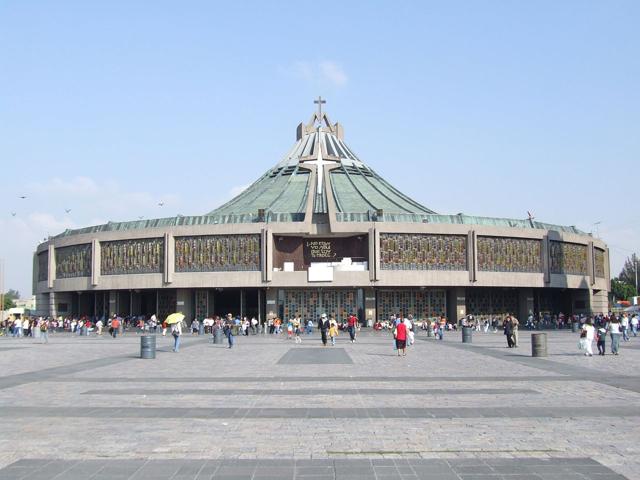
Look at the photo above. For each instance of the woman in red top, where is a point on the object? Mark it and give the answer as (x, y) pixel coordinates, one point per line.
(401, 338)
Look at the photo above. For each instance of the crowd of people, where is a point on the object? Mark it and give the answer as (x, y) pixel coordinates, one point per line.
(599, 327)
(592, 328)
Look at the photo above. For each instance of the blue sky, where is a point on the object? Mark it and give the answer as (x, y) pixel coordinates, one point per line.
(487, 108)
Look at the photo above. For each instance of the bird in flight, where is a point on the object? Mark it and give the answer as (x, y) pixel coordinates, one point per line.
(67, 210)
(161, 203)
(23, 196)
(13, 214)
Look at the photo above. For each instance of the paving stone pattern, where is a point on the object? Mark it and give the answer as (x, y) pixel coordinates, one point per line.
(312, 469)
(90, 408)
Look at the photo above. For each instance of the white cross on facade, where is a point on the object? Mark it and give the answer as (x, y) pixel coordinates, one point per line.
(319, 163)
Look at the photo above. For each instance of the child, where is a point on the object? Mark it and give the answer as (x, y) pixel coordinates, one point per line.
(333, 331)
(601, 336)
(289, 330)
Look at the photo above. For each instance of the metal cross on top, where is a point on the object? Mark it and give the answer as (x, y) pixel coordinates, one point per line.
(319, 102)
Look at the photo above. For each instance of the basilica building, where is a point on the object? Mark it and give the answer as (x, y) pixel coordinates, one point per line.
(322, 232)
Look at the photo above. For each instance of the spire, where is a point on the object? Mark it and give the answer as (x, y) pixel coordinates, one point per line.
(320, 122)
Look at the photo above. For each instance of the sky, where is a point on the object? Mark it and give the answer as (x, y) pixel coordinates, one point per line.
(490, 108)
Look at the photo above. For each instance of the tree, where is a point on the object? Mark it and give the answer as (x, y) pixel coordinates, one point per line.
(12, 294)
(8, 302)
(622, 290)
(628, 273)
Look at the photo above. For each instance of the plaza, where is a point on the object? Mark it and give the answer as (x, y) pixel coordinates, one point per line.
(90, 408)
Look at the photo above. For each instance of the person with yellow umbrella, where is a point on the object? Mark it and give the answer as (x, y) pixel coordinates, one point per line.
(175, 320)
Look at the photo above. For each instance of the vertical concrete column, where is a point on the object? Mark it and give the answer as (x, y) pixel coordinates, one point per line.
(260, 313)
(272, 301)
(372, 255)
(546, 260)
(184, 303)
(95, 262)
(525, 304)
(377, 253)
(169, 257)
(599, 301)
(136, 302)
(267, 254)
(591, 264)
(370, 312)
(211, 302)
(52, 266)
(242, 302)
(607, 269)
(42, 304)
(113, 303)
(472, 254)
(456, 304)
(34, 274)
(53, 308)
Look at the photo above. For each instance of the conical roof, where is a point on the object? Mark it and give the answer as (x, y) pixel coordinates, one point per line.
(320, 169)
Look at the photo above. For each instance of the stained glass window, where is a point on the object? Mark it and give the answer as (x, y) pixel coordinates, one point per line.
(568, 258)
(43, 266)
(310, 304)
(404, 251)
(500, 254)
(217, 253)
(73, 261)
(599, 262)
(121, 257)
(422, 304)
(491, 301)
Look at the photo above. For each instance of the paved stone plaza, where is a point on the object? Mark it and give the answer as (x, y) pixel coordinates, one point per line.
(89, 408)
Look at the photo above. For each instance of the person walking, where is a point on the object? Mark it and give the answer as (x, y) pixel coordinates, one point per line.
(323, 326)
(400, 334)
(624, 324)
(601, 339)
(442, 325)
(634, 325)
(297, 329)
(44, 331)
(351, 324)
(333, 331)
(115, 326)
(228, 332)
(589, 334)
(507, 327)
(176, 332)
(615, 330)
(516, 324)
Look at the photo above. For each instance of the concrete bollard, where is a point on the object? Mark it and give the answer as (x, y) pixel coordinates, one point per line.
(148, 346)
(575, 327)
(538, 344)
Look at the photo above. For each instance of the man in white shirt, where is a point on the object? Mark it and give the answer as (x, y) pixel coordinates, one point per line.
(624, 323)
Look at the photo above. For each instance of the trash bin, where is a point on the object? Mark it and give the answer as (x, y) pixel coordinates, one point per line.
(217, 335)
(201, 329)
(538, 344)
(148, 346)
(429, 330)
(575, 327)
(467, 334)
